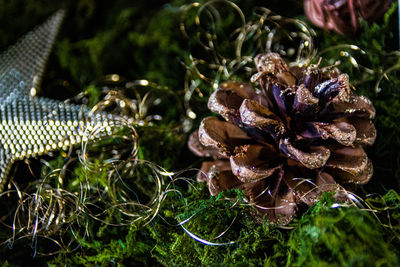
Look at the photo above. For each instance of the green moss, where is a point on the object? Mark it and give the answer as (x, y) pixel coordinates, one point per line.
(345, 236)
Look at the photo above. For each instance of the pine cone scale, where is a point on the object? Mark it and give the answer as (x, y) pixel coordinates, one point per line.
(227, 100)
(350, 164)
(305, 103)
(256, 115)
(314, 159)
(255, 162)
(365, 131)
(199, 149)
(342, 132)
(221, 135)
(358, 106)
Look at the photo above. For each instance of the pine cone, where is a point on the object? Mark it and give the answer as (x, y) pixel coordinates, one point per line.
(343, 16)
(301, 134)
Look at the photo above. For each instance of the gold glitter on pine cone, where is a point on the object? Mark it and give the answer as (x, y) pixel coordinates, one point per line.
(302, 133)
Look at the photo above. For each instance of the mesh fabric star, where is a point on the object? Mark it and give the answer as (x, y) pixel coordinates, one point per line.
(29, 125)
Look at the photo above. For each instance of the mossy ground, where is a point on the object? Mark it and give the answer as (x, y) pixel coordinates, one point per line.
(141, 40)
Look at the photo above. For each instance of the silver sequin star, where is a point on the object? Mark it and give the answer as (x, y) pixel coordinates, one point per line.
(32, 126)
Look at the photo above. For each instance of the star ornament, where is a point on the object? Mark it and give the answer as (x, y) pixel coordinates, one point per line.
(32, 126)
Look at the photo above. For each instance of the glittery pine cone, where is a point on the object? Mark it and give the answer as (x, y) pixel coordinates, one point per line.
(302, 133)
(343, 16)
